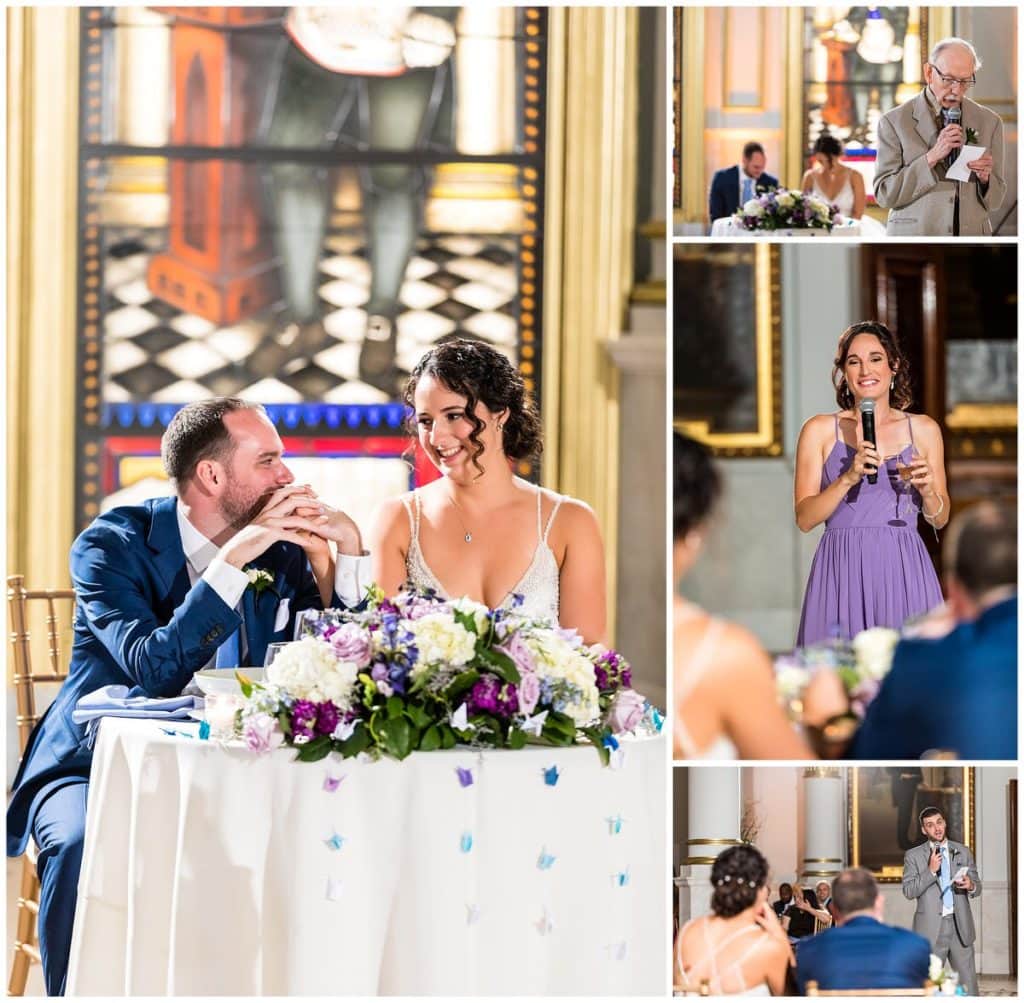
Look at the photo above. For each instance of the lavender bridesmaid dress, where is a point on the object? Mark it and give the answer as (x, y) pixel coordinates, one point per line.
(871, 568)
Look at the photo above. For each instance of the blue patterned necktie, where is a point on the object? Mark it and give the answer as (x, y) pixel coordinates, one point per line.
(229, 653)
(748, 190)
(945, 881)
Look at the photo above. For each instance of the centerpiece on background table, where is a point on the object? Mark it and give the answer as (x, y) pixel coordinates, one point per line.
(861, 664)
(417, 673)
(782, 209)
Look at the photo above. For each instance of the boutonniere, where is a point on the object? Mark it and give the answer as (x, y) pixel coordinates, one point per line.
(972, 136)
(260, 581)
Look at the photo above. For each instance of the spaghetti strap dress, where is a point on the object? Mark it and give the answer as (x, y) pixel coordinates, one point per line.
(871, 568)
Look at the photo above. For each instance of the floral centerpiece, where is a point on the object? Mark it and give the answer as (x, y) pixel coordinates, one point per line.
(784, 209)
(860, 664)
(416, 672)
(946, 981)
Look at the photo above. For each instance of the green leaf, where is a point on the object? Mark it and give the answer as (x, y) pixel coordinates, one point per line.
(467, 620)
(431, 739)
(516, 738)
(284, 719)
(395, 707)
(462, 683)
(448, 739)
(418, 715)
(596, 738)
(501, 665)
(559, 729)
(314, 750)
(359, 741)
(397, 738)
(245, 682)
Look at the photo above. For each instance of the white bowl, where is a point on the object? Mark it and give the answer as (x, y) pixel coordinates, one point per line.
(225, 681)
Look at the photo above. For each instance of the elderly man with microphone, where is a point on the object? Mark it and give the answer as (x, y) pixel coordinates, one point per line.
(919, 143)
(942, 876)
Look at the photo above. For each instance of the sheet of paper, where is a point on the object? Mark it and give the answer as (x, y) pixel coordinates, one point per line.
(960, 874)
(960, 171)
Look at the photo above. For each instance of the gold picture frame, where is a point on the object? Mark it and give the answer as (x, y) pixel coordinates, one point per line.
(757, 349)
(884, 802)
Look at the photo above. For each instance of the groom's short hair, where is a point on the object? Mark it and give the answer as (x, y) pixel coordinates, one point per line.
(197, 433)
(983, 541)
(854, 891)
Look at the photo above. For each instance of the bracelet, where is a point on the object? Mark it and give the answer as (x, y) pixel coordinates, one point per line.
(936, 513)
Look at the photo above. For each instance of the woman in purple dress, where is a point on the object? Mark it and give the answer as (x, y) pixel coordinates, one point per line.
(871, 568)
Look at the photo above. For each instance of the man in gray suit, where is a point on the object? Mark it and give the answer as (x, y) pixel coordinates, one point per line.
(917, 143)
(942, 876)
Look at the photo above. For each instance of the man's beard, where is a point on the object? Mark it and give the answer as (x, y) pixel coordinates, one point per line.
(239, 508)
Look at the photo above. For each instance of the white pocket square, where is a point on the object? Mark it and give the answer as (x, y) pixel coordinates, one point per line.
(281, 618)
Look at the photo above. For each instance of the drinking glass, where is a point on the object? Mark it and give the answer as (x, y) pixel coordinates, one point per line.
(273, 650)
(220, 710)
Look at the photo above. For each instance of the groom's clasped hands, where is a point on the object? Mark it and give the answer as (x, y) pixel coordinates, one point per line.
(294, 514)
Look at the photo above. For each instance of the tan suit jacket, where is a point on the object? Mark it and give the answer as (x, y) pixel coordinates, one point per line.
(918, 197)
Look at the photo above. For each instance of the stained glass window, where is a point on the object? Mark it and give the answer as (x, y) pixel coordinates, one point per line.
(292, 205)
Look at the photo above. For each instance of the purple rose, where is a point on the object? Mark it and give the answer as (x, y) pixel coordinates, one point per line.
(529, 692)
(626, 711)
(351, 643)
(518, 650)
(261, 733)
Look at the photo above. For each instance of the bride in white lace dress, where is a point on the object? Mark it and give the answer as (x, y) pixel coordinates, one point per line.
(479, 530)
(741, 948)
(724, 690)
(839, 185)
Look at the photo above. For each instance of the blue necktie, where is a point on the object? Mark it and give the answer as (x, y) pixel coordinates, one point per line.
(229, 653)
(748, 191)
(945, 881)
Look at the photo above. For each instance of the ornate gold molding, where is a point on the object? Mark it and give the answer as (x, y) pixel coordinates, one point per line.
(832, 772)
(793, 108)
(823, 860)
(693, 185)
(42, 144)
(714, 842)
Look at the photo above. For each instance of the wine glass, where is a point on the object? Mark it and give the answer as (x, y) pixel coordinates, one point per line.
(273, 650)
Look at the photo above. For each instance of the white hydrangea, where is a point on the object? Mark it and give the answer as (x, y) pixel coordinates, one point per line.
(874, 648)
(559, 662)
(785, 200)
(309, 670)
(478, 611)
(441, 641)
(791, 681)
(753, 208)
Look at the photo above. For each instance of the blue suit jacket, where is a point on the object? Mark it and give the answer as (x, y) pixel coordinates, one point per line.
(724, 199)
(863, 954)
(956, 692)
(139, 623)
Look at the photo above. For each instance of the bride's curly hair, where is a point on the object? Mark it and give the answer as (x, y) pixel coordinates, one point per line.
(482, 374)
(901, 394)
(736, 876)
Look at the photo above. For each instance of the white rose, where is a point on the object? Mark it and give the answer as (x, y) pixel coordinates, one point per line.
(441, 641)
(785, 200)
(753, 208)
(874, 648)
(309, 670)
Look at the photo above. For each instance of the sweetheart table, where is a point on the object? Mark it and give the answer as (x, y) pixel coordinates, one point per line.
(728, 227)
(209, 870)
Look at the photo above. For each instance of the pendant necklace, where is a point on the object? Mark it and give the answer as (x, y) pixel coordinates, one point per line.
(458, 512)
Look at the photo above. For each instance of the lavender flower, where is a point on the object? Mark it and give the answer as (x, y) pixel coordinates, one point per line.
(327, 717)
(303, 718)
(351, 643)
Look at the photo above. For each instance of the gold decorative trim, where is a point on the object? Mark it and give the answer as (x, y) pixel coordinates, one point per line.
(820, 874)
(793, 109)
(654, 291)
(973, 416)
(714, 842)
(727, 13)
(694, 861)
(767, 440)
(831, 772)
(823, 860)
(693, 184)
(894, 872)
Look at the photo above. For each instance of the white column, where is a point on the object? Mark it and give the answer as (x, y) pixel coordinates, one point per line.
(824, 824)
(714, 808)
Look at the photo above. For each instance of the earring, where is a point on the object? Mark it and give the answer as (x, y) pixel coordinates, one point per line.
(498, 425)
(892, 383)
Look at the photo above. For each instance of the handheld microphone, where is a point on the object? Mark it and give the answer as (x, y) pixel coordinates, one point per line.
(867, 419)
(952, 116)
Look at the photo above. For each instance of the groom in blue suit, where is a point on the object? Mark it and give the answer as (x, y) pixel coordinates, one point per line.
(861, 953)
(162, 592)
(732, 186)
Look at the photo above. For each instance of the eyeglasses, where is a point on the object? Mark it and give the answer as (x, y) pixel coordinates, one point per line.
(949, 81)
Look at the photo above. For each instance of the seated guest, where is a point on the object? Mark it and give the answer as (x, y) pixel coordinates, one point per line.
(162, 592)
(803, 913)
(957, 692)
(740, 949)
(862, 952)
(732, 186)
(827, 911)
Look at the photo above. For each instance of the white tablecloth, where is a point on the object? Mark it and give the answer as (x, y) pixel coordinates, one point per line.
(211, 870)
(727, 227)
